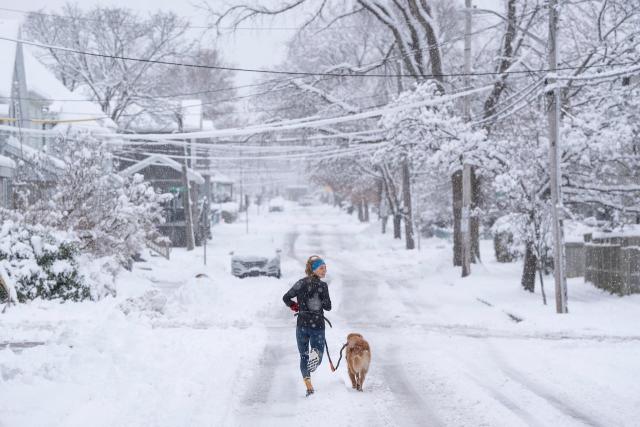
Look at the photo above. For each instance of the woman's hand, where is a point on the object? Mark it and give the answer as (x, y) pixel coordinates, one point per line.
(294, 307)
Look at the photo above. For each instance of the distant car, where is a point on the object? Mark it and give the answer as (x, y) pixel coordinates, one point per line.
(276, 204)
(244, 265)
(306, 201)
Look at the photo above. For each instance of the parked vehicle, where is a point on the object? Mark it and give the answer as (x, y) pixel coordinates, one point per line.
(276, 204)
(306, 201)
(244, 265)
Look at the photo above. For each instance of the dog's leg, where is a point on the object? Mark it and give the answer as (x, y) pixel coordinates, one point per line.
(358, 381)
(352, 376)
(363, 374)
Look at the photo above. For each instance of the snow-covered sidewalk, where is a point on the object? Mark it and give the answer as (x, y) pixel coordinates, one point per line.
(173, 349)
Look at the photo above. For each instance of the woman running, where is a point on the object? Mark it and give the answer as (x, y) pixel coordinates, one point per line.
(312, 298)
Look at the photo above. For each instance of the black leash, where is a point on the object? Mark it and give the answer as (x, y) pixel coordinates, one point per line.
(338, 365)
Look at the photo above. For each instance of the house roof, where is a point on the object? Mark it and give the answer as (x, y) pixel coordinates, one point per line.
(41, 82)
(6, 162)
(144, 121)
(216, 176)
(160, 160)
(13, 147)
(7, 166)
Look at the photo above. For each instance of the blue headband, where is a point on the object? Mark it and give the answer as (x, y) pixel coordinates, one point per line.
(316, 264)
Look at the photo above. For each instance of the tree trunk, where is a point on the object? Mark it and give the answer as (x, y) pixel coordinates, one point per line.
(360, 211)
(456, 186)
(397, 223)
(544, 295)
(408, 212)
(529, 271)
(476, 202)
(366, 211)
(384, 220)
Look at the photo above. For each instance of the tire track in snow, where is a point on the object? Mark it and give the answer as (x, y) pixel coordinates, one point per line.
(539, 390)
(551, 399)
(263, 378)
(406, 405)
(412, 408)
(507, 402)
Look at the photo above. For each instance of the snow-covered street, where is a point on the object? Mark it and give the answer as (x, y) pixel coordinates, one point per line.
(188, 188)
(221, 351)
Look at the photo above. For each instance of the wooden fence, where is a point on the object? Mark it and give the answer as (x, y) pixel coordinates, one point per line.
(574, 259)
(163, 250)
(613, 263)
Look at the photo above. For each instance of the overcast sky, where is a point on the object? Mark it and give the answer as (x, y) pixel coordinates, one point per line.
(247, 48)
(255, 48)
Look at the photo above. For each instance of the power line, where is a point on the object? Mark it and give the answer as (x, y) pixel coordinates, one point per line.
(182, 94)
(174, 95)
(300, 73)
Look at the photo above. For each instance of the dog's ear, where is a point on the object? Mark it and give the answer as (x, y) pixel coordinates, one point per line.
(353, 335)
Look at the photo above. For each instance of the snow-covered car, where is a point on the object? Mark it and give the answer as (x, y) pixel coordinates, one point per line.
(276, 204)
(244, 265)
(307, 201)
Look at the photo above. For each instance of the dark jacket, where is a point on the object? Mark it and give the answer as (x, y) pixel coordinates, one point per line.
(313, 298)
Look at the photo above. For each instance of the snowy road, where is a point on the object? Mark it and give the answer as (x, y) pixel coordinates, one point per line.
(429, 371)
(425, 371)
(445, 350)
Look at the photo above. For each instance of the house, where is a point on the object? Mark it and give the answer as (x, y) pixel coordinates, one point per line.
(33, 99)
(161, 163)
(220, 186)
(7, 168)
(166, 176)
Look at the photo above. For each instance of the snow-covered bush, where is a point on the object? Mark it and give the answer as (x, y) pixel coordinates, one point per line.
(507, 237)
(229, 212)
(152, 304)
(39, 264)
(110, 215)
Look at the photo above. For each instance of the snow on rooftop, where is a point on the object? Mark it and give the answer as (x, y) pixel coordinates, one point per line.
(216, 176)
(6, 162)
(160, 160)
(144, 121)
(42, 83)
(67, 105)
(13, 146)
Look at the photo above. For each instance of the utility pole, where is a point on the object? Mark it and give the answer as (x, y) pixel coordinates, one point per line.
(206, 226)
(188, 214)
(553, 95)
(246, 206)
(465, 224)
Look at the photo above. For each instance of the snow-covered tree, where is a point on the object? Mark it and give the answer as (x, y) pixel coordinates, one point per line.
(114, 34)
(111, 215)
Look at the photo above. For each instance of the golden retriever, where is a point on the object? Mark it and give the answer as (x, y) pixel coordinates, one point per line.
(358, 359)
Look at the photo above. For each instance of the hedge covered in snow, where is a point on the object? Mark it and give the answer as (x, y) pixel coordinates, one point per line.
(39, 265)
